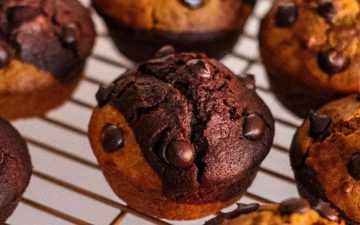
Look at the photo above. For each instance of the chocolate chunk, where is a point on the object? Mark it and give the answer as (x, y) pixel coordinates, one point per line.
(104, 93)
(193, 4)
(294, 205)
(354, 166)
(199, 67)
(332, 61)
(164, 51)
(180, 154)
(254, 127)
(327, 9)
(5, 55)
(19, 15)
(286, 15)
(318, 124)
(112, 138)
(69, 35)
(326, 211)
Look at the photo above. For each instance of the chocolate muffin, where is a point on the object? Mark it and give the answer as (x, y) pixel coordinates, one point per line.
(15, 169)
(43, 49)
(180, 136)
(290, 212)
(325, 157)
(140, 27)
(311, 51)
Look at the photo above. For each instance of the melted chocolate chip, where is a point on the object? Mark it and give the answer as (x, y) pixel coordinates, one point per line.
(286, 15)
(193, 4)
(180, 154)
(199, 68)
(294, 205)
(318, 124)
(69, 35)
(327, 9)
(18, 15)
(332, 61)
(2, 157)
(254, 127)
(112, 138)
(326, 211)
(104, 93)
(5, 55)
(164, 51)
(354, 166)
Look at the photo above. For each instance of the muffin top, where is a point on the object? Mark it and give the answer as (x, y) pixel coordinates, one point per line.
(15, 165)
(177, 15)
(54, 35)
(318, 40)
(290, 212)
(198, 125)
(328, 144)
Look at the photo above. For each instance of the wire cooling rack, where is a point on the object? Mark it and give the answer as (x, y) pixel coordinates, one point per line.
(67, 187)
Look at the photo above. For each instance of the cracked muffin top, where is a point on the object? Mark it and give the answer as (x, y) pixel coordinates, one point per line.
(199, 126)
(326, 156)
(290, 212)
(15, 165)
(318, 40)
(177, 15)
(54, 35)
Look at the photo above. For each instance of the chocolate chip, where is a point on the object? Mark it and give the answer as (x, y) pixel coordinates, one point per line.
(250, 82)
(2, 157)
(327, 9)
(199, 67)
(354, 166)
(5, 55)
(254, 127)
(112, 138)
(164, 51)
(286, 15)
(326, 211)
(69, 35)
(180, 154)
(104, 93)
(332, 61)
(19, 15)
(319, 123)
(193, 4)
(294, 205)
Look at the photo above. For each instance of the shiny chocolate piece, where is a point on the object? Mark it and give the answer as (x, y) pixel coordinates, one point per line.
(254, 127)
(250, 83)
(327, 9)
(326, 211)
(318, 124)
(164, 51)
(5, 55)
(286, 15)
(180, 154)
(331, 61)
(199, 68)
(113, 138)
(69, 35)
(103, 94)
(2, 157)
(354, 166)
(294, 205)
(193, 4)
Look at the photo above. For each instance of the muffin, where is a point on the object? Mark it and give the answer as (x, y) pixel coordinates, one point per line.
(15, 169)
(140, 27)
(290, 212)
(311, 51)
(43, 49)
(180, 136)
(325, 156)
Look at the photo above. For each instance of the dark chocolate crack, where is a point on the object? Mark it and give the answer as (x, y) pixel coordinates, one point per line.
(54, 35)
(185, 120)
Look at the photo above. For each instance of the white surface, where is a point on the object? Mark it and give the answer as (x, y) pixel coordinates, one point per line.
(47, 132)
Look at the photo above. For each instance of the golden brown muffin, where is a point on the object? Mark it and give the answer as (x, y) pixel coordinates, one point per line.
(290, 212)
(310, 49)
(180, 137)
(43, 49)
(140, 27)
(325, 157)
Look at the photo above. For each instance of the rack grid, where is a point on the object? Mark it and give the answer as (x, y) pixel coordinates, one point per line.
(67, 186)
